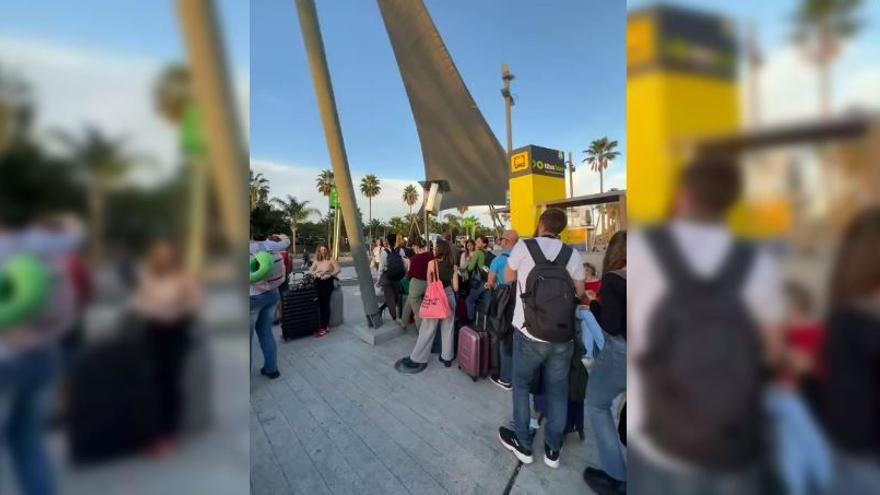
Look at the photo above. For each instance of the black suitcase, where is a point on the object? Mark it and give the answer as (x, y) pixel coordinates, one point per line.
(113, 409)
(300, 315)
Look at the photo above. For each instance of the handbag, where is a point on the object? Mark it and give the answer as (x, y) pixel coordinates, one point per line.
(435, 305)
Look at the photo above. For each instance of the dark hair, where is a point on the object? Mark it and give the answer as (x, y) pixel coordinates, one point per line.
(484, 239)
(553, 220)
(591, 268)
(798, 296)
(417, 242)
(470, 241)
(444, 252)
(615, 254)
(857, 269)
(258, 233)
(391, 240)
(714, 184)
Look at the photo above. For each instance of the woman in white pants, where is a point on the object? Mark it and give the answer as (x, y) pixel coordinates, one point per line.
(443, 268)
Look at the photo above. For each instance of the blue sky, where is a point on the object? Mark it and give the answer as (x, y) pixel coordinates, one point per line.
(568, 57)
(134, 27)
(95, 62)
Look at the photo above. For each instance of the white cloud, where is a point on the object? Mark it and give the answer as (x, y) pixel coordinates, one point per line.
(111, 90)
(299, 181)
(789, 85)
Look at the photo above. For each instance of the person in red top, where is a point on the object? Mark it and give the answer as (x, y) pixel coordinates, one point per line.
(593, 283)
(418, 281)
(804, 339)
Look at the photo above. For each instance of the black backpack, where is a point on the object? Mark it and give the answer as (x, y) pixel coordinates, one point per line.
(703, 363)
(394, 269)
(549, 300)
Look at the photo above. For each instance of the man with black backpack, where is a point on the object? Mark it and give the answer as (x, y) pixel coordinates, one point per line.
(391, 271)
(704, 309)
(549, 279)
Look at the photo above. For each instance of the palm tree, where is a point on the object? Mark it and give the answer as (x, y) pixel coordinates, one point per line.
(325, 182)
(296, 212)
(819, 28)
(370, 187)
(410, 196)
(470, 224)
(397, 225)
(259, 189)
(375, 225)
(598, 155)
(103, 163)
(453, 222)
(15, 107)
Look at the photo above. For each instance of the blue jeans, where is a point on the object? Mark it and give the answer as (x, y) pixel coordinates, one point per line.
(607, 381)
(505, 362)
(475, 294)
(528, 355)
(24, 381)
(262, 316)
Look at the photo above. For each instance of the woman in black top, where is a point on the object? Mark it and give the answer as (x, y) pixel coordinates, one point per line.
(442, 268)
(852, 354)
(608, 374)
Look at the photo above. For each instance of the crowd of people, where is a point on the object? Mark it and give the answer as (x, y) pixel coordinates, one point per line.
(736, 381)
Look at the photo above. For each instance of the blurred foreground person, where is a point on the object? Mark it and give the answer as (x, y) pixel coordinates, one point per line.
(166, 300)
(264, 297)
(705, 310)
(608, 374)
(852, 355)
(29, 354)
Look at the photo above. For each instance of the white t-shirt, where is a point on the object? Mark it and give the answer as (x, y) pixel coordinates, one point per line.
(521, 261)
(705, 247)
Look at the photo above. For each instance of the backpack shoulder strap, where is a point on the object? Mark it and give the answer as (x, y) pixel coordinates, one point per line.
(535, 251)
(564, 255)
(737, 266)
(669, 257)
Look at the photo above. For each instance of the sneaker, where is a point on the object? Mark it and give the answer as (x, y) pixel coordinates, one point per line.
(510, 442)
(497, 381)
(551, 457)
(407, 365)
(275, 374)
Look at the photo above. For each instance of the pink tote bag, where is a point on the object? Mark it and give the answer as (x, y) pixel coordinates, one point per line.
(435, 305)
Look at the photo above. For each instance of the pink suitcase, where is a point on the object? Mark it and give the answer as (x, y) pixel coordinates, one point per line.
(473, 353)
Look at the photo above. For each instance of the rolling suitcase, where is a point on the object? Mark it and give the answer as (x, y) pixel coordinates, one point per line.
(473, 352)
(336, 306)
(113, 410)
(301, 316)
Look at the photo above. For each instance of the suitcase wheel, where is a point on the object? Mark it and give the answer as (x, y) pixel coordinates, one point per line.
(474, 378)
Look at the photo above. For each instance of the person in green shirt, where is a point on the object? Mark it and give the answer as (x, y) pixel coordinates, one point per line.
(476, 276)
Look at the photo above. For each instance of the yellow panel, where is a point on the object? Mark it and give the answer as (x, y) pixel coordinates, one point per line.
(665, 112)
(641, 42)
(526, 192)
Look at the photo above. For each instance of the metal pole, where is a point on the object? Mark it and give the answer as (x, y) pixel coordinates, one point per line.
(311, 32)
(506, 76)
(226, 152)
(570, 176)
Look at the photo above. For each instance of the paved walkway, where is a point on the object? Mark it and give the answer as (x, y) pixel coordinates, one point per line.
(340, 420)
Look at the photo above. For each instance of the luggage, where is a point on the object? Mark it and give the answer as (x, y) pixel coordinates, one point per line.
(301, 316)
(473, 352)
(574, 421)
(113, 410)
(336, 306)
